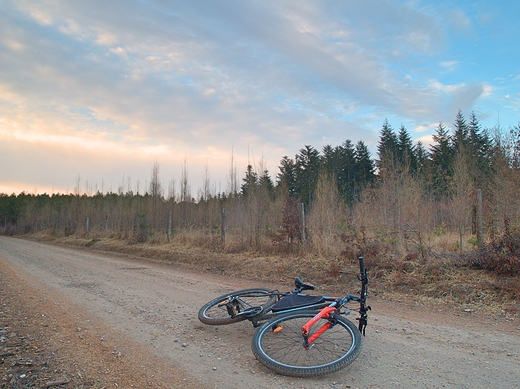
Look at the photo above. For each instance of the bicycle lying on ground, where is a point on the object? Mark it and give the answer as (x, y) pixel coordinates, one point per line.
(297, 334)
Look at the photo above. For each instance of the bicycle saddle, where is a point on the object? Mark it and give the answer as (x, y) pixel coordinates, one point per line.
(302, 285)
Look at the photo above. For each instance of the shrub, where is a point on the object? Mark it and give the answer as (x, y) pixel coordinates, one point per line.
(501, 256)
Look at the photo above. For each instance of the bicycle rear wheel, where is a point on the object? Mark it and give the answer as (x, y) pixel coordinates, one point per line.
(223, 309)
(278, 344)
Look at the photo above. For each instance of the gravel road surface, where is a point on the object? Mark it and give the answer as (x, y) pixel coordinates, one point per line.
(155, 307)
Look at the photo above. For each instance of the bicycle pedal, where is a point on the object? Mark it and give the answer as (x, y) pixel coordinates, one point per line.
(277, 329)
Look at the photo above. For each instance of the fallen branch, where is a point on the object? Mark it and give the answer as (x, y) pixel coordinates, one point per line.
(57, 383)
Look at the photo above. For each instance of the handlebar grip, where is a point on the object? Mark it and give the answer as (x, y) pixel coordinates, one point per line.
(362, 265)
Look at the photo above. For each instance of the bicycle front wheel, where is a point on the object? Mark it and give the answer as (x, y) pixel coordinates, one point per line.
(278, 344)
(223, 309)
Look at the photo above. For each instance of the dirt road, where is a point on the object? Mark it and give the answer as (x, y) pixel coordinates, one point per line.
(147, 314)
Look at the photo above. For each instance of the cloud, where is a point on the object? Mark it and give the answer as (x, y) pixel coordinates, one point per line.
(459, 20)
(287, 55)
(465, 96)
(199, 79)
(449, 65)
(210, 63)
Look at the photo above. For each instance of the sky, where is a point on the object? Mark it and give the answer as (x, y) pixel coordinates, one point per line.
(94, 94)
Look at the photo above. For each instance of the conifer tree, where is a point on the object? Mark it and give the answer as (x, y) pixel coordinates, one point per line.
(307, 170)
(365, 169)
(330, 159)
(479, 150)
(250, 181)
(346, 174)
(442, 156)
(405, 150)
(515, 147)
(287, 176)
(421, 158)
(460, 137)
(386, 149)
(265, 182)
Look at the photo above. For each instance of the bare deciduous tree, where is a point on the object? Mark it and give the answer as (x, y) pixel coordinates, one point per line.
(185, 195)
(233, 178)
(155, 192)
(325, 216)
(461, 196)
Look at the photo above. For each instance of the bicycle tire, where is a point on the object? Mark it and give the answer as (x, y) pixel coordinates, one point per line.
(284, 353)
(213, 314)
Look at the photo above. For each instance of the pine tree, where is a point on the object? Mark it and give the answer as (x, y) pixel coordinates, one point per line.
(480, 152)
(329, 159)
(250, 181)
(346, 174)
(515, 147)
(405, 150)
(421, 156)
(442, 156)
(287, 176)
(307, 170)
(460, 138)
(365, 168)
(386, 149)
(265, 181)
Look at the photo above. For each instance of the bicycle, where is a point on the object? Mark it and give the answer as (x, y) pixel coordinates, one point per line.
(289, 341)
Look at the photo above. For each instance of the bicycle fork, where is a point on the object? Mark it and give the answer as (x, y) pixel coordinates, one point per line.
(308, 341)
